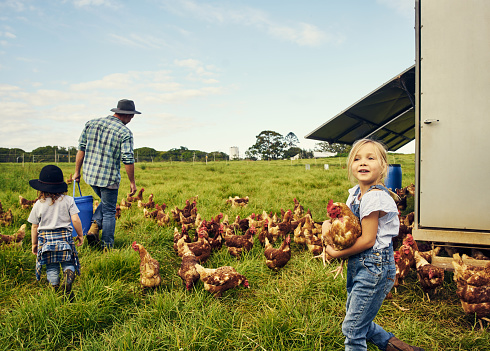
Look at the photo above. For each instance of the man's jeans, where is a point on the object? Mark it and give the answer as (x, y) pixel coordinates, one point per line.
(105, 214)
(370, 277)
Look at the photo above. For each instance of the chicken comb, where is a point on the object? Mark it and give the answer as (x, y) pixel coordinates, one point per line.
(330, 205)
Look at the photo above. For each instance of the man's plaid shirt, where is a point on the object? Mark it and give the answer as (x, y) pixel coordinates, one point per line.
(106, 142)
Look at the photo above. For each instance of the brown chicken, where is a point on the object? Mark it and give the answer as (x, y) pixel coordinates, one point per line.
(14, 239)
(412, 244)
(344, 230)
(403, 257)
(285, 227)
(179, 235)
(138, 196)
(118, 212)
(237, 201)
(473, 287)
(149, 204)
(187, 271)
(314, 243)
(430, 277)
(200, 248)
(149, 268)
(238, 243)
(277, 258)
(125, 205)
(214, 233)
(218, 280)
(298, 210)
(25, 204)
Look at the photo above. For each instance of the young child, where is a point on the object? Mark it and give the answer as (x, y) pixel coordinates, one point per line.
(371, 266)
(51, 232)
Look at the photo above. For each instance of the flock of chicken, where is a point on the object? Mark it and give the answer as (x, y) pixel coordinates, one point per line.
(473, 282)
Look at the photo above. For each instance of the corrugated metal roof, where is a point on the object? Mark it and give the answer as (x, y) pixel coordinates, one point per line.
(387, 114)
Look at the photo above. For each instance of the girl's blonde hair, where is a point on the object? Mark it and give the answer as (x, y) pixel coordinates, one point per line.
(381, 155)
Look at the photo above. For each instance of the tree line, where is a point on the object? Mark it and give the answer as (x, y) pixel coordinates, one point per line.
(269, 145)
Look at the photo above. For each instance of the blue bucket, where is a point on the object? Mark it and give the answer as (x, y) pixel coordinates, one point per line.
(393, 180)
(85, 206)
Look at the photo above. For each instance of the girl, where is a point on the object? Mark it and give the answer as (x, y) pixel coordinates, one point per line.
(371, 266)
(51, 233)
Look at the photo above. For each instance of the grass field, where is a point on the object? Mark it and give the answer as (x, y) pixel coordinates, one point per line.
(301, 307)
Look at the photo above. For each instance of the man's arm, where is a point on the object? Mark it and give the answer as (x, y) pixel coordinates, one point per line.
(78, 165)
(130, 172)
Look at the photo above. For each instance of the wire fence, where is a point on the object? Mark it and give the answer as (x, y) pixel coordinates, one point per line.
(54, 158)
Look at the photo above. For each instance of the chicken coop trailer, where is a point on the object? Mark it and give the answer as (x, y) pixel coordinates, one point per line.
(452, 122)
(443, 102)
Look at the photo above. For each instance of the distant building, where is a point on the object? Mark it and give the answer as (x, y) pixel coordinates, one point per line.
(295, 157)
(234, 154)
(317, 154)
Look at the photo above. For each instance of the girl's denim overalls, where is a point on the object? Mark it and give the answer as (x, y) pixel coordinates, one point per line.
(370, 276)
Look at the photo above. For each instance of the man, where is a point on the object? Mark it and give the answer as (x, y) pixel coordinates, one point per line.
(103, 144)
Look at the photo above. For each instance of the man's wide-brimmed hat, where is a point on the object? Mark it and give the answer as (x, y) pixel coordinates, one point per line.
(50, 180)
(126, 107)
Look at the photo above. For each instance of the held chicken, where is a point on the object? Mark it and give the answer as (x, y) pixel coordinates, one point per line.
(277, 258)
(218, 280)
(430, 277)
(344, 230)
(149, 268)
(187, 271)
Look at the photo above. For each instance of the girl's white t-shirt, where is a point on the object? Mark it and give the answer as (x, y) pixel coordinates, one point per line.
(378, 200)
(53, 216)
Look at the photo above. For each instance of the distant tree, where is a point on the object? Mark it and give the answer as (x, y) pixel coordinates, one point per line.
(291, 140)
(291, 152)
(145, 154)
(269, 145)
(306, 153)
(339, 148)
(251, 155)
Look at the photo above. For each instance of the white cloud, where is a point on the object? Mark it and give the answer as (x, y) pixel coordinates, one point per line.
(9, 35)
(301, 33)
(16, 5)
(403, 7)
(82, 3)
(137, 41)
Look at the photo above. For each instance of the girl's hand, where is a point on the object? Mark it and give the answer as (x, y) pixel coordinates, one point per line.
(80, 240)
(34, 249)
(333, 253)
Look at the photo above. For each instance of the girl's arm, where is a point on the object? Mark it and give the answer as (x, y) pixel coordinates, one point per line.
(367, 240)
(34, 238)
(77, 224)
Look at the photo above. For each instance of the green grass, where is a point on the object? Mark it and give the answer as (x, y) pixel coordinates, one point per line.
(301, 307)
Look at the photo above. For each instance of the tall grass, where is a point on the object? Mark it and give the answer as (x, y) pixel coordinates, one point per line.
(301, 307)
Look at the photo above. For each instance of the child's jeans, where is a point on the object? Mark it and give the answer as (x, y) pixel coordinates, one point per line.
(53, 271)
(370, 276)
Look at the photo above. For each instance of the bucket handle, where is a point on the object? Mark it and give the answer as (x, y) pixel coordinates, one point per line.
(80, 190)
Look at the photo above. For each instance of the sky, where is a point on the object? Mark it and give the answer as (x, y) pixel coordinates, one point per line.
(205, 74)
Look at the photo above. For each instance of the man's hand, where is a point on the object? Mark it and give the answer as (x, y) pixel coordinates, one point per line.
(133, 190)
(76, 177)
